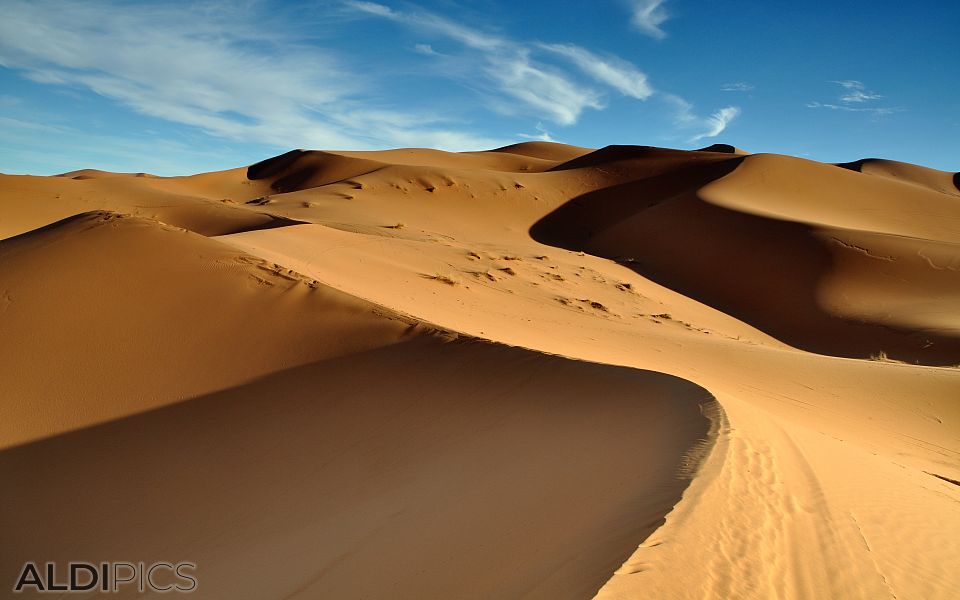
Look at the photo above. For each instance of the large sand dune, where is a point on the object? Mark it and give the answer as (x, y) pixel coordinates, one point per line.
(539, 371)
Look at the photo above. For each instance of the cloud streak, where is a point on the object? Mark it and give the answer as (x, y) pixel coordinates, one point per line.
(543, 136)
(877, 111)
(856, 91)
(544, 90)
(717, 122)
(235, 81)
(648, 16)
(852, 98)
(249, 75)
(612, 71)
(508, 67)
(512, 70)
(686, 118)
(737, 87)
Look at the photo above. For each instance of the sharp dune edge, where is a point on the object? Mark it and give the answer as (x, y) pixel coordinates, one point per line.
(541, 371)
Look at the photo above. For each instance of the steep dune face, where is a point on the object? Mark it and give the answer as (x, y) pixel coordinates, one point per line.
(423, 469)
(815, 256)
(299, 169)
(634, 180)
(370, 377)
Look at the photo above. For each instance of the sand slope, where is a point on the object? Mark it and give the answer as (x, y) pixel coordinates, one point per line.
(324, 423)
(938, 181)
(821, 258)
(106, 315)
(419, 470)
(292, 427)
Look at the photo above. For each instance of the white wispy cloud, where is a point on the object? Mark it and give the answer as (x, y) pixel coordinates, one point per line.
(859, 96)
(738, 86)
(718, 121)
(507, 66)
(554, 93)
(686, 118)
(241, 73)
(610, 70)
(371, 7)
(682, 109)
(430, 21)
(877, 111)
(542, 136)
(543, 89)
(511, 70)
(852, 98)
(648, 16)
(856, 91)
(850, 84)
(210, 66)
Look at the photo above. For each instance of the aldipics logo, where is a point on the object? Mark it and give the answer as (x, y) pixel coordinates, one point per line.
(107, 577)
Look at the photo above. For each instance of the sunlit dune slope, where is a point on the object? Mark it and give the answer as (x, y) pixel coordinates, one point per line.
(938, 181)
(252, 420)
(106, 315)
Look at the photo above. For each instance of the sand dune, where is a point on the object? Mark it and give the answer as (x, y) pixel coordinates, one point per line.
(417, 470)
(727, 148)
(840, 251)
(418, 374)
(127, 314)
(206, 204)
(938, 181)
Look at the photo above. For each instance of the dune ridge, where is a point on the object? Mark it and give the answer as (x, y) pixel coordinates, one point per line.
(418, 482)
(538, 371)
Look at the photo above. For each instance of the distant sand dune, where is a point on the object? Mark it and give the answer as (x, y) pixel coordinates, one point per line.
(743, 236)
(938, 181)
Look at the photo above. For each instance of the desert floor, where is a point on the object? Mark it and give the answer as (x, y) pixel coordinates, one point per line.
(541, 371)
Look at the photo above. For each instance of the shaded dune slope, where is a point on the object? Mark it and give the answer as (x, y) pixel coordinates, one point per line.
(814, 256)
(420, 470)
(301, 169)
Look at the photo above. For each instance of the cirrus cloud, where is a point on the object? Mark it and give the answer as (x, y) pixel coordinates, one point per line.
(648, 16)
(214, 69)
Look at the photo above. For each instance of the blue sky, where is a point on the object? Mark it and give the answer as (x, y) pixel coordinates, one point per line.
(184, 87)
